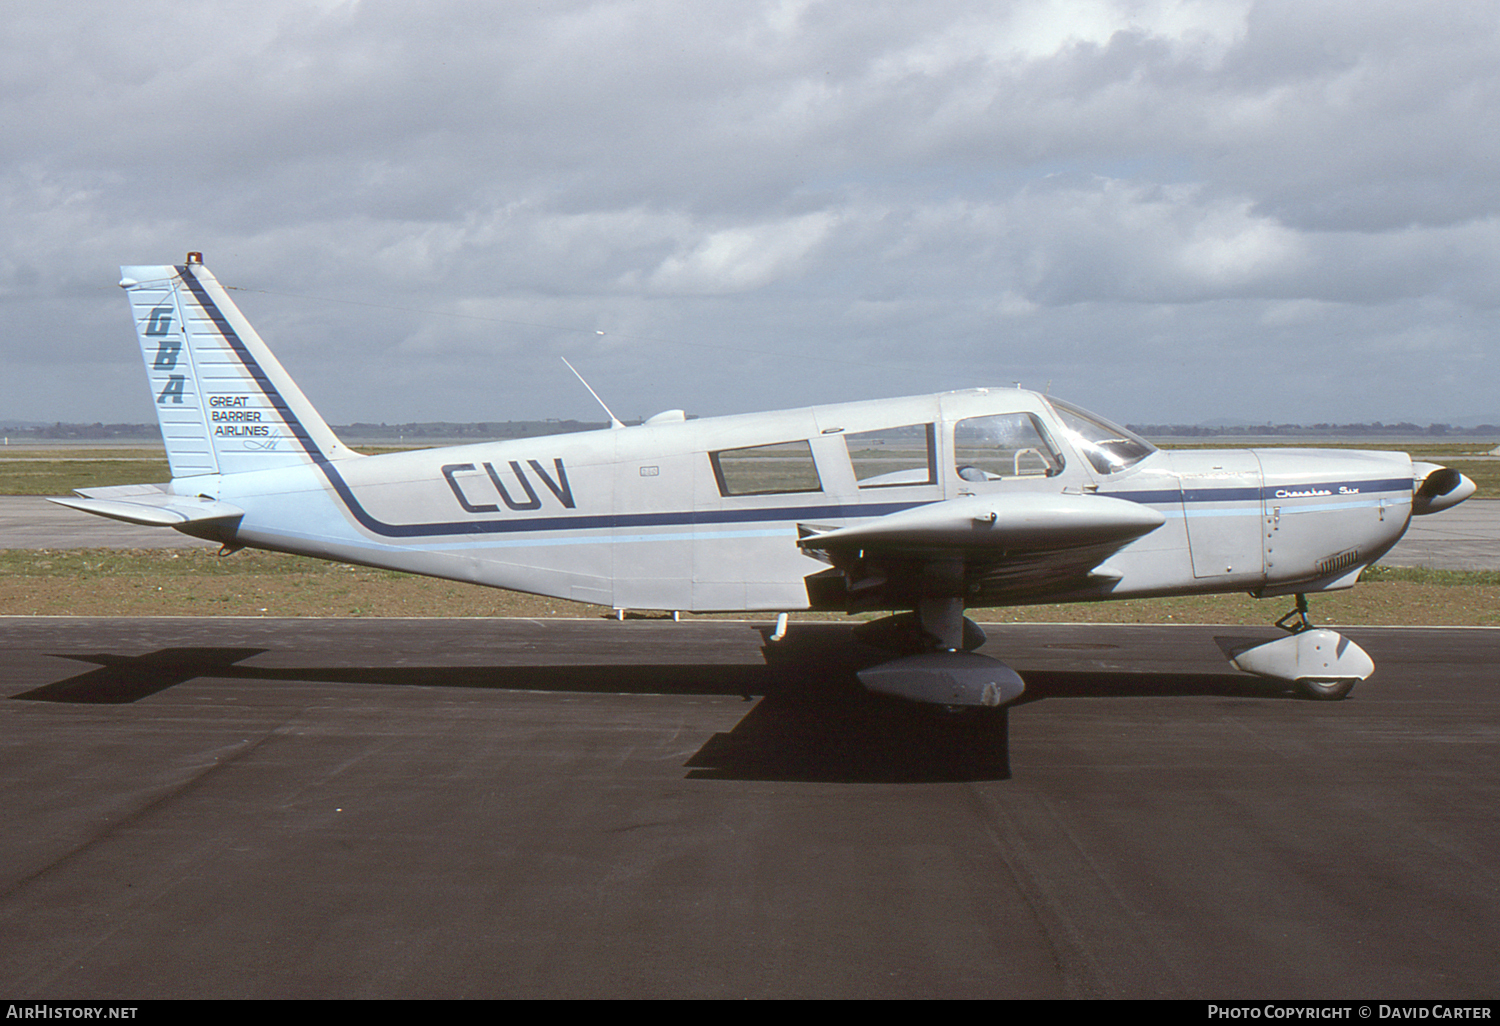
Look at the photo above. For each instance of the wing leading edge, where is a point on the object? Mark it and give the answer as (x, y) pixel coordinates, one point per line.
(987, 525)
(983, 548)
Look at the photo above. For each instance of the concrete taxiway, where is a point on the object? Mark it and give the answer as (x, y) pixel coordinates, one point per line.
(1466, 537)
(31, 522)
(469, 808)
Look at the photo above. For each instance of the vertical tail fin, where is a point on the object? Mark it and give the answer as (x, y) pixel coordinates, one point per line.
(226, 405)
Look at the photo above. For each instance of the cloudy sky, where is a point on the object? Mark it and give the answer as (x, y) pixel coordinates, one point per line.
(1166, 210)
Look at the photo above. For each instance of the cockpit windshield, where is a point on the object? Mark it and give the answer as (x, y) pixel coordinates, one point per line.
(1108, 447)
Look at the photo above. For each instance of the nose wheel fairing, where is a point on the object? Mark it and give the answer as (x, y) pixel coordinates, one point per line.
(1322, 663)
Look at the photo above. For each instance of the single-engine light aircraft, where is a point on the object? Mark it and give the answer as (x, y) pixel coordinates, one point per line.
(921, 506)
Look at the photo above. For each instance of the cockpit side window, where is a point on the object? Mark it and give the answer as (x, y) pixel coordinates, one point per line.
(1003, 445)
(1108, 447)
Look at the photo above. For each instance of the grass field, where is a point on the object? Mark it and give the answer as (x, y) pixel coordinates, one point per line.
(197, 582)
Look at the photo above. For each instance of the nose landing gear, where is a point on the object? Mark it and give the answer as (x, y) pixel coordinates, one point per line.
(1323, 664)
(1296, 621)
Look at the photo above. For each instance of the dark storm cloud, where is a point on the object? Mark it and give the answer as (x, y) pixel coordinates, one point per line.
(1171, 210)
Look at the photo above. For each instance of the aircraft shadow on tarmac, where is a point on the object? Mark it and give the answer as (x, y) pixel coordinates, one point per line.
(814, 721)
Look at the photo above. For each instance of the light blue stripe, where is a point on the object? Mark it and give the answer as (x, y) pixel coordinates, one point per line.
(1326, 507)
(1172, 513)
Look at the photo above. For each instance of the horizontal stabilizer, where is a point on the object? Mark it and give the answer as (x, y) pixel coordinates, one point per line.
(999, 523)
(157, 509)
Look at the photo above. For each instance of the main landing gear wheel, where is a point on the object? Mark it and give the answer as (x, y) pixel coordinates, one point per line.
(942, 673)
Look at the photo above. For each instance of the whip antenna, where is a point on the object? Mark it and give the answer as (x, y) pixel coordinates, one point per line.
(614, 421)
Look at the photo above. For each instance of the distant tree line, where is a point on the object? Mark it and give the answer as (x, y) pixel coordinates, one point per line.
(375, 432)
(95, 432)
(484, 430)
(1404, 428)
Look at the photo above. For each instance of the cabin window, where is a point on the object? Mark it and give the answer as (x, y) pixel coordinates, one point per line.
(1001, 446)
(1108, 447)
(766, 469)
(892, 457)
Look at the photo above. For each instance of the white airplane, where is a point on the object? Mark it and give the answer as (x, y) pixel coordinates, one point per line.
(925, 505)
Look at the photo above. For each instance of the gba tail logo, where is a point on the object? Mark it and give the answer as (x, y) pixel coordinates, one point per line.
(159, 325)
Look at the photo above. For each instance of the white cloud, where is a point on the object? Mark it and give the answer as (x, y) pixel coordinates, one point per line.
(742, 257)
(1105, 184)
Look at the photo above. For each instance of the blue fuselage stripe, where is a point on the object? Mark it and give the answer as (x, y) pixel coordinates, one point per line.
(1270, 493)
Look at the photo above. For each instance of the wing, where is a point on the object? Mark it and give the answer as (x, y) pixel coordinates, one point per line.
(1010, 547)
